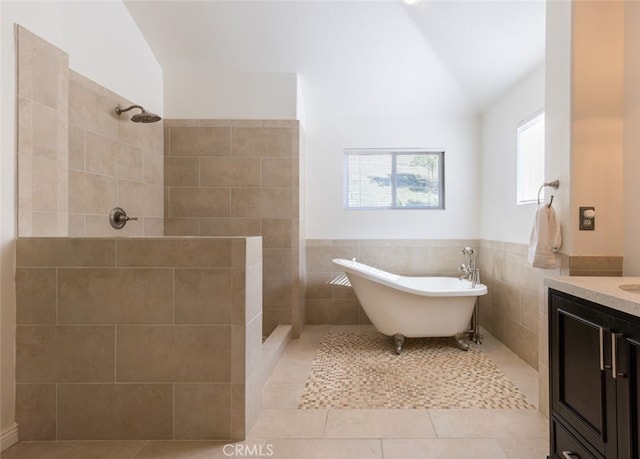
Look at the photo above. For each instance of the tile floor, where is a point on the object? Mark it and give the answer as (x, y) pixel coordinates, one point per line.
(283, 431)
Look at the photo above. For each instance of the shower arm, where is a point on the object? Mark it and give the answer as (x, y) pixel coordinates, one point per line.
(122, 110)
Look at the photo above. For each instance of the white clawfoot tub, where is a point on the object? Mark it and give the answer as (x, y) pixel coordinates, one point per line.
(413, 307)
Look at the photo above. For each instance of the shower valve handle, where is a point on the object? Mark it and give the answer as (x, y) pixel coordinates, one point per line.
(118, 218)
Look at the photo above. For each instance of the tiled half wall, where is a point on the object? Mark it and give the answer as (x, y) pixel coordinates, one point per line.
(225, 177)
(138, 338)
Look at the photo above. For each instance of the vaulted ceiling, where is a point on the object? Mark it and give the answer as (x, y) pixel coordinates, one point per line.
(472, 49)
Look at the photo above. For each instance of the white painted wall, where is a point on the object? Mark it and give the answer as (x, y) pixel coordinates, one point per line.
(558, 113)
(103, 44)
(501, 218)
(632, 139)
(597, 125)
(200, 91)
(327, 137)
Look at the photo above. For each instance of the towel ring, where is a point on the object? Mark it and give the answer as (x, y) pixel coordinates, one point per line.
(553, 184)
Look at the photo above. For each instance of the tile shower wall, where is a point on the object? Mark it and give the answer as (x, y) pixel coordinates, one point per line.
(76, 158)
(112, 162)
(138, 338)
(243, 178)
(43, 119)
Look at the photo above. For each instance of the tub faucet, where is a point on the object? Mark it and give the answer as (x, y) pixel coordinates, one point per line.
(469, 270)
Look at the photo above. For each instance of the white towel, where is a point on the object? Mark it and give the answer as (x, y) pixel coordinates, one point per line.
(546, 238)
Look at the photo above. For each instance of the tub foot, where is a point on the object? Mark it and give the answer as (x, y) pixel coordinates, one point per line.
(398, 341)
(461, 343)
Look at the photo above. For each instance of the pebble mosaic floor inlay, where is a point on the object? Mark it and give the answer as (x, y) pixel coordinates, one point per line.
(361, 370)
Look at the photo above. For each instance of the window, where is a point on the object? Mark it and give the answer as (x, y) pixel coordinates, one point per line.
(530, 151)
(394, 179)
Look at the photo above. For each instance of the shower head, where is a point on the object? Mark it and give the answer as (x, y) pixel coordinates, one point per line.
(143, 117)
(468, 251)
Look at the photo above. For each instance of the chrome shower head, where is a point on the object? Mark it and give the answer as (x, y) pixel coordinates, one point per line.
(143, 117)
(468, 251)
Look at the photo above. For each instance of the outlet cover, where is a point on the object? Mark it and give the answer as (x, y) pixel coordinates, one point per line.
(587, 219)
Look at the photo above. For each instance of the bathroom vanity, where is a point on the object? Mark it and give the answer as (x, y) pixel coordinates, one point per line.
(594, 366)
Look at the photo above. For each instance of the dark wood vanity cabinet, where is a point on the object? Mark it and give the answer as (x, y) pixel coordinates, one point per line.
(594, 357)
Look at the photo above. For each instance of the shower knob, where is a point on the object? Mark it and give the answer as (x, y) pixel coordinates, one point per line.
(118, 218)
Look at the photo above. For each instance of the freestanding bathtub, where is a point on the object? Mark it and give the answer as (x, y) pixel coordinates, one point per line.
(413, 307)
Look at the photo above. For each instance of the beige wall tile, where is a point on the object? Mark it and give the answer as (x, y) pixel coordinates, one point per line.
(277, 172)
(49, 223)
(253, 141)
(339, 311)
(145, 136)
(200, 141)
(277, 233)
(46, 76)
(105, 156)
(25, 187)
(34, 252)
(202, 411)
(91, 194)
(280, 123)
(238, 172)
(199, 202)
(240, 288)
(45, 131)
(203, 296)
(36, 411)
(140, 199)
(44, 185)
(319, 257)
(277, 263)
(522, 341)
(153, 165)
(76, 148)
(222, 226)
(115, 411)
(278, 293)
(174, 354)
(25, 126)
(181, 171)
(253, 345)
(25, 45)
(253, 293)
(64, 354)
(182, 226)
(35, 296)
(261, 203)
(153, 226)
(239, 429)
(180, 253)
(91, 110)
(115, 296)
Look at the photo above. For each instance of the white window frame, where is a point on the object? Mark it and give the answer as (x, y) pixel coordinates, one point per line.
(394, 153)
(526, 188)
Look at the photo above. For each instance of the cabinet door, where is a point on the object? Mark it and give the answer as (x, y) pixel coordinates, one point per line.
(581, 392)
(627, 363)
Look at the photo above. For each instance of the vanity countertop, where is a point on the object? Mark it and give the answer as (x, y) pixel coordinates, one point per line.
(602, 290)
